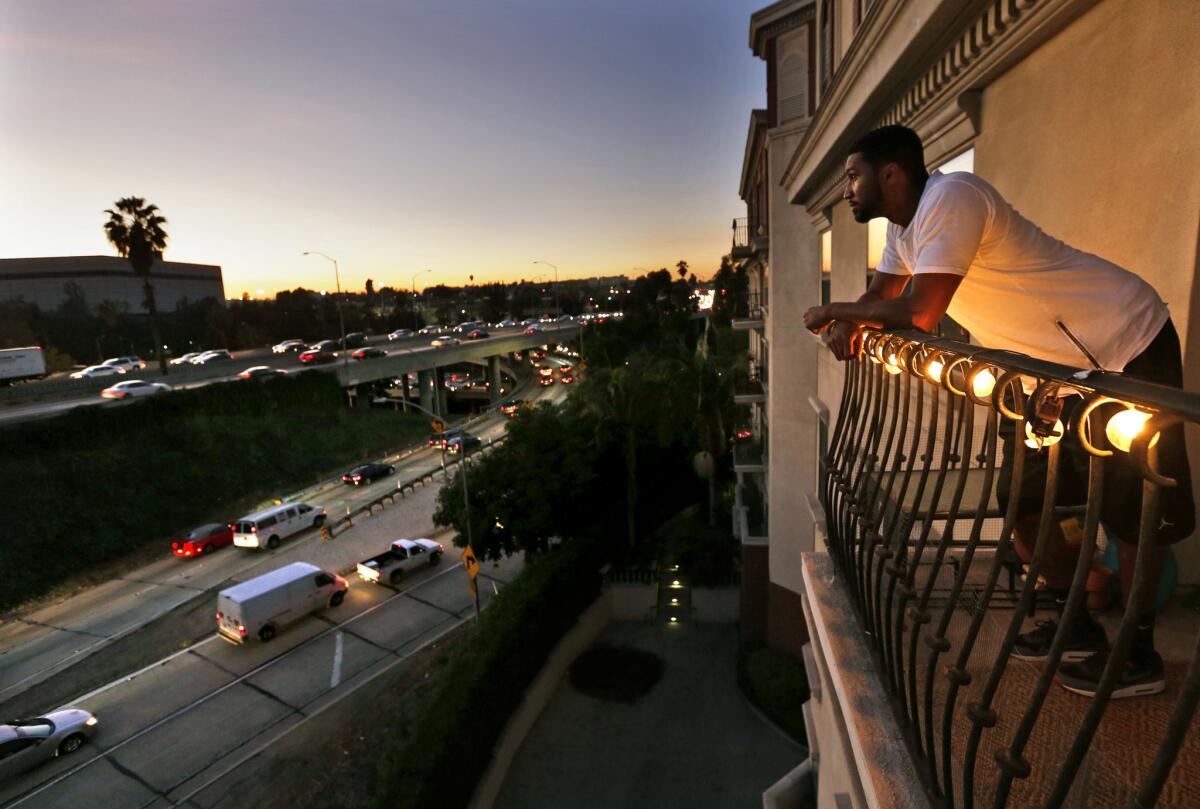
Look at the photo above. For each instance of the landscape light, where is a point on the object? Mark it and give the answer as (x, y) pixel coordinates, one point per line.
(1124, 426)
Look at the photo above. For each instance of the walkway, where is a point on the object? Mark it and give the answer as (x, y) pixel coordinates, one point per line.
(692, 742)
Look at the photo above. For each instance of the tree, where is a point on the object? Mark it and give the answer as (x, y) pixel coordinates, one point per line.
(634, 403)
(135, 229)
(541, 483)
(682, 268)
(370, 288)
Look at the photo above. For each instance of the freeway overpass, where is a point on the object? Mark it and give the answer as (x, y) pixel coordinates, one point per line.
(360, 377)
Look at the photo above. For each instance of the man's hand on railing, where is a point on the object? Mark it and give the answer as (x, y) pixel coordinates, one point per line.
(844, 339)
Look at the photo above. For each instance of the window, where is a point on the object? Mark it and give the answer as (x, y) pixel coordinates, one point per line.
(826, 264)
(793, 84)
(14, 746)
(323, 579)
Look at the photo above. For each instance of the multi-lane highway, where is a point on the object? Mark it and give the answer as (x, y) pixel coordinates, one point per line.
(44, 399)
(189, 720)
(36, 645)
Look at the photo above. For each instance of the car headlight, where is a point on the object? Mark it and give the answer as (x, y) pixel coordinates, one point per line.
(91, 721)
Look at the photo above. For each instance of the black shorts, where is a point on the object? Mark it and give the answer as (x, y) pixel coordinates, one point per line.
(1121, 509)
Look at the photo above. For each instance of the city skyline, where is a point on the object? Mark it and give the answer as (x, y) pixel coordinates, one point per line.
(456, 137)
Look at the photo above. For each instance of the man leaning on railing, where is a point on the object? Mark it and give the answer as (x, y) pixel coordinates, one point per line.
(970, 254)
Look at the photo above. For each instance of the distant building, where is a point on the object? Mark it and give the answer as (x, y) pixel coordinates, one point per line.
(48, 282)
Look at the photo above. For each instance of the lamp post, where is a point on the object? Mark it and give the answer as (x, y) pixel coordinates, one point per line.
(337, 280)
(414, 292)
(548, 264)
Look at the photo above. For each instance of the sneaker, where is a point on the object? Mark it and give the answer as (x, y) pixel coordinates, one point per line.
(1143, 675)
(1087, 639)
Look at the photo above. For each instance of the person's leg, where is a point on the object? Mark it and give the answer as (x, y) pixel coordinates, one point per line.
(1059, 555)
(1143, 674)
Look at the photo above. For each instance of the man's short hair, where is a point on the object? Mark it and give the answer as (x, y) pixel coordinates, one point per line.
(892, 144)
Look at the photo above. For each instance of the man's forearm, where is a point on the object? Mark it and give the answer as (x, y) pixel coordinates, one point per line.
(877, 313)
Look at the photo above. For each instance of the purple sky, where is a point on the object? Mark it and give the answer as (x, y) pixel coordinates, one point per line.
(468, 137)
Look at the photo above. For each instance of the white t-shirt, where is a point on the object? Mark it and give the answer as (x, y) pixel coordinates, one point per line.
(1017, 281)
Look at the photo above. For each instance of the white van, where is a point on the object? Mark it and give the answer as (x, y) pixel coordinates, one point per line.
(266, 528)
(260, 607)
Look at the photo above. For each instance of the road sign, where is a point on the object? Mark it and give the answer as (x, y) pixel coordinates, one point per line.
(470, 563)
(439, 426)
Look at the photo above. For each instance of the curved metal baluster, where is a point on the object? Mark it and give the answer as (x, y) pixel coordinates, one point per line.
(918, 616)
(882, 535)
(869, 523)
(847, 418)
(981, 712)
(857, 477)
(1011, 761)
(937, 643)
(895, 569)
(1177, 728)
(907, 593)
(1119, 653)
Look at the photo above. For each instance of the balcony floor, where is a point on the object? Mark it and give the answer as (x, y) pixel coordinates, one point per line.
(1126, 740)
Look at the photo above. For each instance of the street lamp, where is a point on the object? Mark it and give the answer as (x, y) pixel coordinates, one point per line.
(548, 264)
(337, 279)
(414, 292)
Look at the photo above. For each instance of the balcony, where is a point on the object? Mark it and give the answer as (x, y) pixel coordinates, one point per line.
(915, 608)
(749, 237)
(750, 315)
(750, 388)
(748, 456)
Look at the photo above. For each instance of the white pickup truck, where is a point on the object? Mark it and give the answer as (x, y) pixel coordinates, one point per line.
(403, 555)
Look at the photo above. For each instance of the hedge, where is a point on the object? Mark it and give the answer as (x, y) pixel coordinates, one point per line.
(95, 484)
(439, 763)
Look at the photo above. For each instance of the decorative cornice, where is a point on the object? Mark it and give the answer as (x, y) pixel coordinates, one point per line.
(763, 28)
(1002, 33)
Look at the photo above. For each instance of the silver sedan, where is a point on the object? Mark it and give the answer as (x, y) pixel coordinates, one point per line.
(25, 743)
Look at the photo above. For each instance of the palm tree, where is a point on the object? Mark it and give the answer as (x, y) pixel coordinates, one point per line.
(632, 401)
(135, 229)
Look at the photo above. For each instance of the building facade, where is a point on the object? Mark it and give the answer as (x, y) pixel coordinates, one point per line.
(50, 282)
(1080, 112)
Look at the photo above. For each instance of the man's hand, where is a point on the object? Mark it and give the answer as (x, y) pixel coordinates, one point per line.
(817, 318)
(844, 339)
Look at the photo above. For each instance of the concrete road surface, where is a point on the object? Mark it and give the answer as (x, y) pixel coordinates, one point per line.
(188, 721)
(35, 646)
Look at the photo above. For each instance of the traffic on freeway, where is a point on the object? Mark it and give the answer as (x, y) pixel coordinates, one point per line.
(131, 376)
(45, 641)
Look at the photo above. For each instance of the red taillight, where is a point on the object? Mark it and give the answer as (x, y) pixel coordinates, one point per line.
(242, 630)
(254, 529)
(218, 616)
(441, 548)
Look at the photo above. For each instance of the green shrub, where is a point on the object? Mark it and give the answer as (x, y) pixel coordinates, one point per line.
(616, 673)
(98, 483)
(778, 684)
(439, 763)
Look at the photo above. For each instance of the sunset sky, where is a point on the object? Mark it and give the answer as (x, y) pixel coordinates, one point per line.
(463, 136)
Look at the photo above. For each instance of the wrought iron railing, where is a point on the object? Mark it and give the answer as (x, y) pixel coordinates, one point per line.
(741, 233)
(916, 530)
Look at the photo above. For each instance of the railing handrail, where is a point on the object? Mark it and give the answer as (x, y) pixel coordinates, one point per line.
(918, 418)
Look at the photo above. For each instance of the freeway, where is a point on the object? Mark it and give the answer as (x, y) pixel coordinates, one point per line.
(44, 399)
(191, 719)
(37, 645)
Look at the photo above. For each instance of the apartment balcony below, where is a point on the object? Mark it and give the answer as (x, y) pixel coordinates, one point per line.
(751, 315)
(916, 602)
(750, 387)
(748, 456)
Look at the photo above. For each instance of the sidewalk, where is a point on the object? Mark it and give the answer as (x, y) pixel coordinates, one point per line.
(693, 742)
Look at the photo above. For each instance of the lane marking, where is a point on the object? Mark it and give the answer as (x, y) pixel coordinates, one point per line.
(336, 676)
